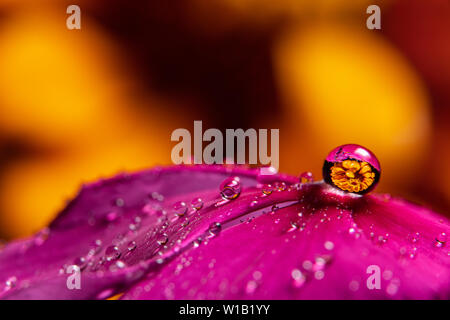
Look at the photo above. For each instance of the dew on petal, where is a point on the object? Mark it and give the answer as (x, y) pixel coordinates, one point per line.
(230, 188)
(306, 177)
(131, 245)
(112, 253)
(251, 286)
(440, 240)
(119, 202)
(197, 203)
(11, 282)
(328, 245)
(298, 277)
(267, 189)
(215, 228)
(352, 168)
(180, 208)
(279, 186)
(80, 262)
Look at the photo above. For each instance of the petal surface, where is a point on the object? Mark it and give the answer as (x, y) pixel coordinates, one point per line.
(326, 245)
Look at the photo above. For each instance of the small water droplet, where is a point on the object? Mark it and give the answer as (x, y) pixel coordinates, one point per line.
(80, 262)
(180, 208)
(306, 177)
(112, 253)
(298, 277)
(294, 226)
(11, 282)
(214, 229)
(267, 189)
(230, 188)
(119, 202)
(131, 245)
(251, 286)
(253, 203)
(157, 196)
(319, 275)
(112, 216)
(413, 253)
(279, 186)
(440, 240)
(413, 238)
(162, 239)
(328, 245)
(353, 285)
(197, 203)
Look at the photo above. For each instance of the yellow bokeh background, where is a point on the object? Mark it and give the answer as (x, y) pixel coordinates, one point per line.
(78, 105)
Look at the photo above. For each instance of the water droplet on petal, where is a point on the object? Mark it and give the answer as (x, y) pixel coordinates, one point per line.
(112, 216)
(11, 282)
(440, 240)
(80, 262)
(413, 238)
(197, 203)
(230, 188)
(180, 208)
(119, 202)
(328, 245)
(131, 245)
(306, 177)
(298, 277)
(267, 189)
(162, 239)
(112, 253)
(352, 168)
(279, 186)
(251, 286)
(214, 229)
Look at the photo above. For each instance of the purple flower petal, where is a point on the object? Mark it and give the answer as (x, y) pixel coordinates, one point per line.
(170, 233)
(319, 248)
(131, 212)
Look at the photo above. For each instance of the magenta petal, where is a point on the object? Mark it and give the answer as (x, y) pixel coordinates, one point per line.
(128, 212)
(295, 242)
(320, 248)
